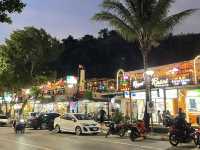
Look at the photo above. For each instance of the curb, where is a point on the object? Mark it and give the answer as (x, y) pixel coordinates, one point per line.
(158, 137)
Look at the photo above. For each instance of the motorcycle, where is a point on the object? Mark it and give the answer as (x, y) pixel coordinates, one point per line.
(117, 129)
(177, 136)
(19, 126)
(137, 130)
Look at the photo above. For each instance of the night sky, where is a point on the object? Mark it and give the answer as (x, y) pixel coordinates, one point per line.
(61, 18)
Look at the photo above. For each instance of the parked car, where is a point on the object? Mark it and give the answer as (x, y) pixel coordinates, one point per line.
(3, 120)
(43, 121)
(76, 123)
(31, 116)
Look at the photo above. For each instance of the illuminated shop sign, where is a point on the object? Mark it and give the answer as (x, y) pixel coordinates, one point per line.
(181, 82)
(71, 80)
(156, 82)
(137, 84)
(160, 83)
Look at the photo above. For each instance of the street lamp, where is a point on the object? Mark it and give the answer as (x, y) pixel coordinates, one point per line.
(149, 74)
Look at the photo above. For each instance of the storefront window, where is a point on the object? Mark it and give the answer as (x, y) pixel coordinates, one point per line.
(193, 100)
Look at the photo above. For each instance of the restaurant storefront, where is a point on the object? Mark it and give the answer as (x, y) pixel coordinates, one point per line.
(173, 86)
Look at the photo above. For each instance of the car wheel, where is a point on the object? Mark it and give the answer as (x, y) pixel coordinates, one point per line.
(57, 129)
(78, 131)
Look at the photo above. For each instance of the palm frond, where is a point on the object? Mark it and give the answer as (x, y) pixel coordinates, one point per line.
(173, 20)
(124, 29)
(130, 4)
(116, 7)
(145, 20)
(161, 10)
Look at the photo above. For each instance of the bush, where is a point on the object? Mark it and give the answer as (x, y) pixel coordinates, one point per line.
(117, 117)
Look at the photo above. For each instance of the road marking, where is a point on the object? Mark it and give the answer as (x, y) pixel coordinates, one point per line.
(25, 144)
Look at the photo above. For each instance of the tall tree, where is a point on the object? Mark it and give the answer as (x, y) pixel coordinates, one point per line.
(8, 7)
(146, 21)
(29, 57)
(31, 52)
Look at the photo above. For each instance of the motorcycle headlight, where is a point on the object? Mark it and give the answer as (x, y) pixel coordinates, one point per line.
(21, 121)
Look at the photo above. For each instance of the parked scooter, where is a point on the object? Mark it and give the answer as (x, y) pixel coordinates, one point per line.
(137, 130)
(117, 129)
(19, 126)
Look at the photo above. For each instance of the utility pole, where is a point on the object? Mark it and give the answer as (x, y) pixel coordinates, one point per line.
(130, 99)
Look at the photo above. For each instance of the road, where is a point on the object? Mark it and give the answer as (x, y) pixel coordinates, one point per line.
(46, 140)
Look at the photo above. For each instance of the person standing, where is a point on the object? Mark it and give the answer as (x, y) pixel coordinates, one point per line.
(102, 116)
(159, 117)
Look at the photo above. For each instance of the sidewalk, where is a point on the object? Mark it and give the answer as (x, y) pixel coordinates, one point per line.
(158, 136)
(159, 133)
(150, 136)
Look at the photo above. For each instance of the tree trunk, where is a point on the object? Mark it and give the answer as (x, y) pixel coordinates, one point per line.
(32, 68)
(147, 89)
(34, 102)
(23, 106)
(33, 110)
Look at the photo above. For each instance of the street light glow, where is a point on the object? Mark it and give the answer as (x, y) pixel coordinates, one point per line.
(150, 72)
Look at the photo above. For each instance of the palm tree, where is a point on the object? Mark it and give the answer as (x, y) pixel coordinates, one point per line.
(146, 21)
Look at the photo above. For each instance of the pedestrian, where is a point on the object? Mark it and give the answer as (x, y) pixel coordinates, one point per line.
(168, 113)
(159, 117)
(14, 123)
(102, 115)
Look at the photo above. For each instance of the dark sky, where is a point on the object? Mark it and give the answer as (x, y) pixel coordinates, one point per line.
(63, 17)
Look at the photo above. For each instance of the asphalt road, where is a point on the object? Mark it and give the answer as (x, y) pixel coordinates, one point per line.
(45, 140)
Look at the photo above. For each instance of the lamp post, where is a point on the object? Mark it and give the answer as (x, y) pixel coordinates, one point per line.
(149, 74)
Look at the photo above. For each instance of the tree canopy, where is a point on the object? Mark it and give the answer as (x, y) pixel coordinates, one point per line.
(102, 56)
(30, 53)
(8, 7)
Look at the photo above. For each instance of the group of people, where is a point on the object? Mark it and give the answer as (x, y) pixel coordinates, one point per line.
(179, 121)
(162, 118)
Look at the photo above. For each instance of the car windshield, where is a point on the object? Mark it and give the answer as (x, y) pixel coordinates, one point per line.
(3, 117)
(81, 117)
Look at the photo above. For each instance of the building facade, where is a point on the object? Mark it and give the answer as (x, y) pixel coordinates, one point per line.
(173, 86)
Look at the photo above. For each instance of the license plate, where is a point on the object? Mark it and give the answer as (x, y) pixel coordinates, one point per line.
(129, 131)
(94, 129)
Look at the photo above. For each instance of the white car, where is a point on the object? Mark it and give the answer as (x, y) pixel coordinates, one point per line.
(3, 120)
(76, 123)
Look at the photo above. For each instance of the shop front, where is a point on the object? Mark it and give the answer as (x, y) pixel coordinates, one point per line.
(192, 105)
(172, 87)
(138, 102)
